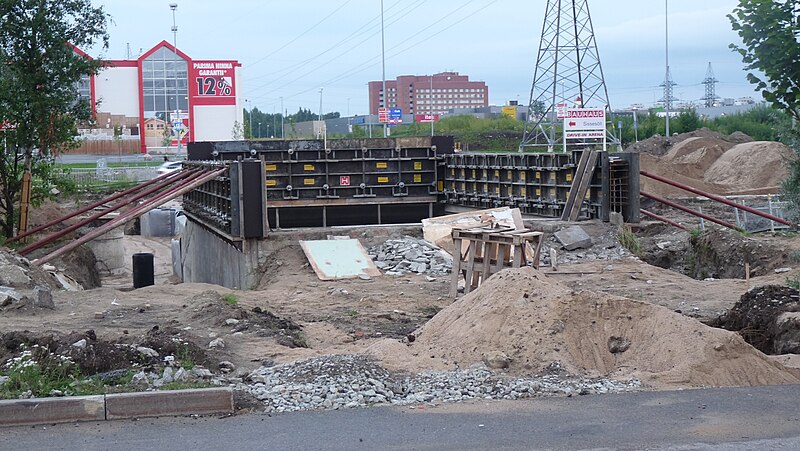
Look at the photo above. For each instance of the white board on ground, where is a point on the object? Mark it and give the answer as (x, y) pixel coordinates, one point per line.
(339, 259)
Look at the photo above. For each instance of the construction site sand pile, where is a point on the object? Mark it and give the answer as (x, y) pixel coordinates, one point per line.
(540, 325)
(716, 164)
(751, 165)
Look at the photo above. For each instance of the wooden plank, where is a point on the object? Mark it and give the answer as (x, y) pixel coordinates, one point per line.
(583, 187)
(569, 205)
(456, 271)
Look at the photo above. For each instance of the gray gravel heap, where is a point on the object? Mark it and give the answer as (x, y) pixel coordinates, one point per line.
(346, 381)
(397, 257)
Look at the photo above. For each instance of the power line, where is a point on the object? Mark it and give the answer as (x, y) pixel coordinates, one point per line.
(371, 24)
(397, 17)
(303, 33)
(372, 61)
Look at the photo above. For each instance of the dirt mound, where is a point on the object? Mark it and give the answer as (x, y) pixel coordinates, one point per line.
(81, 265)
(767, 319)
(712, 162)
(210, 306)
(539, 324)
(757, 164)
(693, 156)
(95, 354)
(660, 145)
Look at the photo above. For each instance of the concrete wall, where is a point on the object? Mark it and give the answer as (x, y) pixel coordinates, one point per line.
(207, 258)
(115, 89)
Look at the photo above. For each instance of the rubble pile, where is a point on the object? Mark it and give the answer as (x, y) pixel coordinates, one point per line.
(397, 257)
(347, 381)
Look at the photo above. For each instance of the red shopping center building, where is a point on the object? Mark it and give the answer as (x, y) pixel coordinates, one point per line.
(165, 97)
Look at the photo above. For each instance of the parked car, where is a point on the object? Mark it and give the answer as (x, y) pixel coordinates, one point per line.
(169, 167)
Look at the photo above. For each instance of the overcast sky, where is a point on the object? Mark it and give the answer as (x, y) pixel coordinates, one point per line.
(290, 49)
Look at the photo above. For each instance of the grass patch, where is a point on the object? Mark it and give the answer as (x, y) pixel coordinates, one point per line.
(352, 313)
(630, 241)
(186, 385)
(184, 358)
(231, 299)
(793, 282)
(794, 256)
(41, 373)
(129, 164)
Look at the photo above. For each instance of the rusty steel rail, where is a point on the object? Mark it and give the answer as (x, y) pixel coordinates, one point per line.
(717, 198)
(663, 219)
(690, 211)
(164, 183)
(179, 190)
(30, 232)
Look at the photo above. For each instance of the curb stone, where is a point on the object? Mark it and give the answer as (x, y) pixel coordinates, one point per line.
(178, 402)
(22, 412)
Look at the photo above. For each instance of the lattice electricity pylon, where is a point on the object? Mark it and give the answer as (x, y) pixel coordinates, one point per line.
(568, 74)
(669, 87)
(711, 87)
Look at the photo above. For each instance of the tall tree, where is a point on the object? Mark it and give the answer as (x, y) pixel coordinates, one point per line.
(38, 86)
(770, 32)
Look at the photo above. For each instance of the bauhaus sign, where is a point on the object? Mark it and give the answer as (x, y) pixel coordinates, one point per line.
(213, 82)
(585, 119)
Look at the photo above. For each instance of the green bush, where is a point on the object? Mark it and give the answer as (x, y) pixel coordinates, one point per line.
(630, 241)
(231, 299)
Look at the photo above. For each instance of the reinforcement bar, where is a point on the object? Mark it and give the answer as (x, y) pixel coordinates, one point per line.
(106, 200)
(163, 183)
(716, 198)
(182, 188)
(690, 211)
(662, 219)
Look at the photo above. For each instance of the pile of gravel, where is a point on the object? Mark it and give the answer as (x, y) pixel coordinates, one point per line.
(346, 381)
(397, 257)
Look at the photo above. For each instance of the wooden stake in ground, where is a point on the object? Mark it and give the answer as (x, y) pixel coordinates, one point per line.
(747, 275)
(25, 197)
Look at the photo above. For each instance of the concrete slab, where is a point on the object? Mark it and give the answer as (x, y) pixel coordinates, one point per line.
(573, 238)
(177, 402)
(20, 412)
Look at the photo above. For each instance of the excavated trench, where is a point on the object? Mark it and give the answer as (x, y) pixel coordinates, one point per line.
(767, 317)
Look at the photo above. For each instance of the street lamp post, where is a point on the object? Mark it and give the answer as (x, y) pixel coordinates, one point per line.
(174, 7)
(320, 104)
(383, 71)
(259, 130)
(667, 80)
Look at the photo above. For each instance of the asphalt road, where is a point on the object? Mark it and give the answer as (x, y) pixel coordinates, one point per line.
(711, 419)
(136, 158)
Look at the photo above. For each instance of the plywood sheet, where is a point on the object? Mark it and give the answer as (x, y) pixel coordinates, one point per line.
(438, 230)
(339, 259)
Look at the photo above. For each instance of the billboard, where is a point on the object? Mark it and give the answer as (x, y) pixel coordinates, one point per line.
(510, 111)
(212, 82)
(585, 119)
(391, 116)
(427, 118)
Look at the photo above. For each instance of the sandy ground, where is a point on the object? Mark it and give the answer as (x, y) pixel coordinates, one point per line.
(336, 317)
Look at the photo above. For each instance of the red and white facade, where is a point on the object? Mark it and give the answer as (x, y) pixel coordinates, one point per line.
(165, 96)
